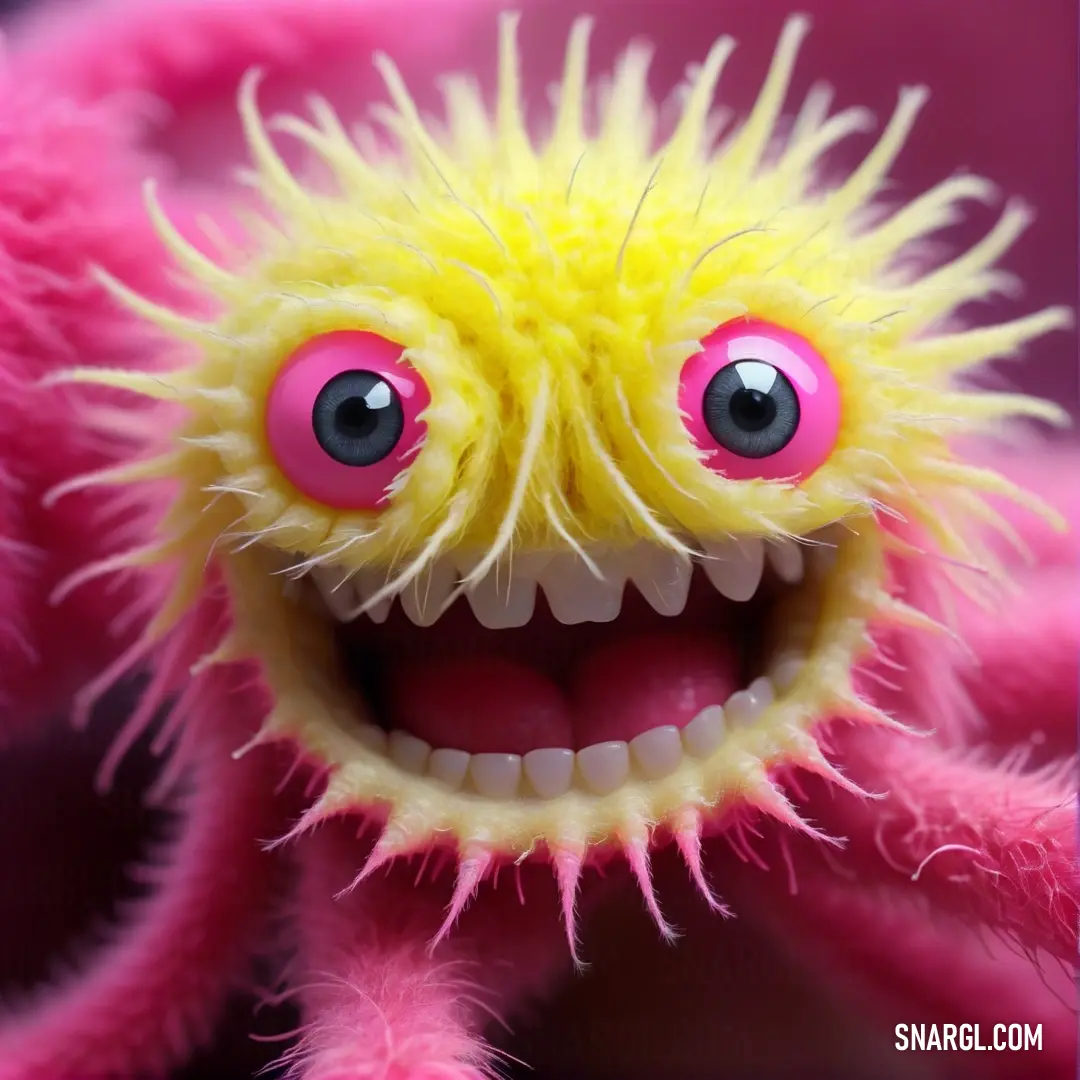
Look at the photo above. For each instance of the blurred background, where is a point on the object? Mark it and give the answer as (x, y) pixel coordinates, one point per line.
(1003, 76)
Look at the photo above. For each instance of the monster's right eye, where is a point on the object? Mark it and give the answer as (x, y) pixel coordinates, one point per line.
(343, 418)
(761, 402)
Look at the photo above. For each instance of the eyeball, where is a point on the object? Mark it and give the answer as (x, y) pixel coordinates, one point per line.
(342, 418)
(761, 402)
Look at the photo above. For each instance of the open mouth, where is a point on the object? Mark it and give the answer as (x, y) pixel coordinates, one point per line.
(556, 675)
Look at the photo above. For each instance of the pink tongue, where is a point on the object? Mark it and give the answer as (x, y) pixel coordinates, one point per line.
(629, 687)
(492, 705)
(483, 706)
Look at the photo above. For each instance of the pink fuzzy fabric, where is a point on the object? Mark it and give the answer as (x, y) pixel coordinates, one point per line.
(383, 1003)
(976, 829)
(60, 213)
(146, 997)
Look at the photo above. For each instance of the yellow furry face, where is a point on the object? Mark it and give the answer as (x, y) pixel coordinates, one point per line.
(565, 617)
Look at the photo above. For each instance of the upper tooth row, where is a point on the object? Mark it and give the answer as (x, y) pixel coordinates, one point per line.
(574, 592)
(599, 769)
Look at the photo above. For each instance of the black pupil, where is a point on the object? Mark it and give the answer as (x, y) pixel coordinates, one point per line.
(355, 419)
(358, 418)
(752, 410)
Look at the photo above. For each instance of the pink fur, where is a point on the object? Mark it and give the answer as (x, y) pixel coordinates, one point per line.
(1033, 703)
(157, 989)
(985, 842)
(988, 820)
(380, 1000)
(1020, 672)
(61, 212)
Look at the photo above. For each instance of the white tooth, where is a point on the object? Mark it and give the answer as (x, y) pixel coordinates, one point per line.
(762, 688)
(705, 732)
(735, 566)
(786, 670)
(449, 766)
(368, 583)
(575, 595)
(785, 557)
(550, 772)
(496, 775)
(424, 597)
(657, 752)
(662, 577)
(374, 738)
(381, 611)
(745, 706)
(506, 596)
(337, 590)
(408, 752)
(604, 766)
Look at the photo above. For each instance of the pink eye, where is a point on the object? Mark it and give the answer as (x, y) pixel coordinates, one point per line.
(761, 401)
(342, 418)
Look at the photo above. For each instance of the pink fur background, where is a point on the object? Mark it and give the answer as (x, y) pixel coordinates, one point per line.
(1004, 81)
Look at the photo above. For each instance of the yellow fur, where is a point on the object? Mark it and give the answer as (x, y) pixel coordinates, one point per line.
(550, 293)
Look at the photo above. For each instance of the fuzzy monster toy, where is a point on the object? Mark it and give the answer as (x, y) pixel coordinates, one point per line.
(561, 502)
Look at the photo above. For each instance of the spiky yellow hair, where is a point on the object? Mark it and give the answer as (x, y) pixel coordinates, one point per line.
(549, 293)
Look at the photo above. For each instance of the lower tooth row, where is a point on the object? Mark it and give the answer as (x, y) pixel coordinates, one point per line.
(599, 769)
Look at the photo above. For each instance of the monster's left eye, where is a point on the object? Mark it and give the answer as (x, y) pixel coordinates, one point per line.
(342, 418)
(761, 402)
